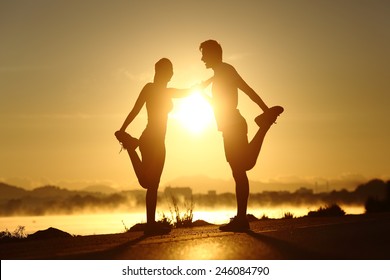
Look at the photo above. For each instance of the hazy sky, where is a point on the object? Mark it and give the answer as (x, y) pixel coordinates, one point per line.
(70, 71)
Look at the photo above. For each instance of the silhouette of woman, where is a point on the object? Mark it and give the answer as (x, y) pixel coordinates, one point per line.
(148, 168)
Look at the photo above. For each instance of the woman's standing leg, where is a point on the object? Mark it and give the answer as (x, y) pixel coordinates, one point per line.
(153, 156)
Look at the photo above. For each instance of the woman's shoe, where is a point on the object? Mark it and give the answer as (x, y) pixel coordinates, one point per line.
(156, 229)
(128, 142)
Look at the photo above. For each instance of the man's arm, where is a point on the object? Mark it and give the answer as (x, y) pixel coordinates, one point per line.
(242, 85)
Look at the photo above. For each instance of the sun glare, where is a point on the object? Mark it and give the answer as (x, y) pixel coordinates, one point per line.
(194, 113)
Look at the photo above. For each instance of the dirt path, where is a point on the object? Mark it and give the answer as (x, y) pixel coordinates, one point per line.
(349, 237)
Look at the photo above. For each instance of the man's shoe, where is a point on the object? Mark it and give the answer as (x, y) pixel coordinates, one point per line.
(128, 142)
(236, 225)
(269, 117)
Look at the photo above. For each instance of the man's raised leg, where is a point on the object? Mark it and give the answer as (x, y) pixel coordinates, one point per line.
(264, 121)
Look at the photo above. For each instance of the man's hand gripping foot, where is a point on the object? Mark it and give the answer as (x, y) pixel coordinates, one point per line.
(269, 117)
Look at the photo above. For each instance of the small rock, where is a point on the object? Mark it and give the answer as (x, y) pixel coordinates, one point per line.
(49, 233)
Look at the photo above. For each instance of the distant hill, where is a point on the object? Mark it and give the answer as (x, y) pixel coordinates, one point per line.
(100, 189)
(11, 192)
(55, 200)
(52, 199)
(51, 191)
(8, 192)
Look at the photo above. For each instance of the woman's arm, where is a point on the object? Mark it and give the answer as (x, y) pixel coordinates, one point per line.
(136, 108)
(206, 83)
(180, 93)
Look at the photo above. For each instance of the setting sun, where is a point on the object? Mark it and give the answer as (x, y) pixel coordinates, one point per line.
(194, 113)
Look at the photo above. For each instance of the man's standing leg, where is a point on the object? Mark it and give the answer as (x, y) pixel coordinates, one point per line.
(240, 222)
(236, 146)
(242, 192)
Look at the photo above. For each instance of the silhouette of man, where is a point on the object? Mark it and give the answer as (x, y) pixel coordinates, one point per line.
(240, 154)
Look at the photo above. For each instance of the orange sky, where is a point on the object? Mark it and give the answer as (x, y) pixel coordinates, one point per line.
(70, 72)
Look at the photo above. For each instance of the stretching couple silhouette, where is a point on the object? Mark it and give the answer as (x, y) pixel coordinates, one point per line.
(241, 154)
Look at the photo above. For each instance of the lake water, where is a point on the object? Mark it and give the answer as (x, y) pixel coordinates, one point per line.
(105, 223)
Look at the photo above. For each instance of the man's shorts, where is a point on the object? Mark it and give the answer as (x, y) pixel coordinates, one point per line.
(235, 140)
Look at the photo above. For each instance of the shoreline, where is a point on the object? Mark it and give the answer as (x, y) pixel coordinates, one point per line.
(117, 222)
